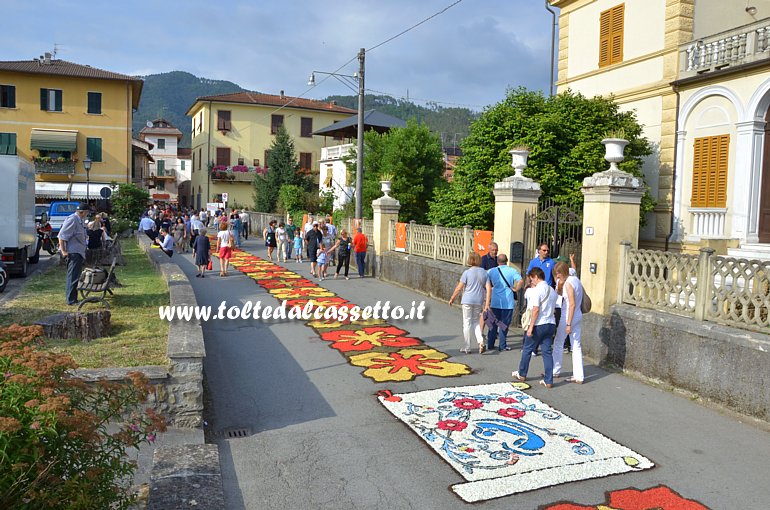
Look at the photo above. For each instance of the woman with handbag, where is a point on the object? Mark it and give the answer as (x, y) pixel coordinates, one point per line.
(201, 249)
(225, 243)
(539, 325)
(572, 293)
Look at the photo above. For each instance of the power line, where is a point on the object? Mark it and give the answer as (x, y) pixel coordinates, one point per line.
(412, 99)
(442, 11)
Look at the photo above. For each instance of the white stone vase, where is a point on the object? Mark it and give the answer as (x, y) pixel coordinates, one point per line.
(519, 163)
(613, 148)
(385, 187)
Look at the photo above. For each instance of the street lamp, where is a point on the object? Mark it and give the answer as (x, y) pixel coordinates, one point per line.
(346, 79)
(87, 166)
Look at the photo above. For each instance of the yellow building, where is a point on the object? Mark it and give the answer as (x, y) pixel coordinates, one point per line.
(57, 113)
(697, 73)
(232, 134)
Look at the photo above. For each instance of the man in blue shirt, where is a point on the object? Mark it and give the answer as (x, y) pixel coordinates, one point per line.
(544, 262)
(167, 243)
(489, 260)
(147, 226)
(72, 242)
(504, 281)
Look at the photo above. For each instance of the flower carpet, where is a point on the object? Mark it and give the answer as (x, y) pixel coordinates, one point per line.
(660, 497)
(503, 441)
(386, 353)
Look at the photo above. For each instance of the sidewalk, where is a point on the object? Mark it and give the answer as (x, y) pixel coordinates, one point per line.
(320, 439)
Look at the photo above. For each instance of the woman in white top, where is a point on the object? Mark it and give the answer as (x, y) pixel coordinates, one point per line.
(571, 320)
(224, 248)
(542, 301)
(281, 237)
(473, 285)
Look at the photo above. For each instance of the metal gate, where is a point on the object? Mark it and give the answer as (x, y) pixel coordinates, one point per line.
(556, 224)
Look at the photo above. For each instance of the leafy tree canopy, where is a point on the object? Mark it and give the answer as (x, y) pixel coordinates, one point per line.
(563, 133)
(282, 169)
(129, 202)
(411, 158)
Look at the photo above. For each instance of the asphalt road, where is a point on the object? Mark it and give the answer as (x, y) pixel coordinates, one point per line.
(318, 438)
(15, 283)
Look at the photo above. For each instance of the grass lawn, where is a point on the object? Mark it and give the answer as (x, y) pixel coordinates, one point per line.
(138, 336)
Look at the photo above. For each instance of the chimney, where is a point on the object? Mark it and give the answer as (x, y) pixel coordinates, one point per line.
(47, 60)
(282, 96)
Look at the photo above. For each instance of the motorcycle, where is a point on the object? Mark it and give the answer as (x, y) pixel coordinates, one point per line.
(3, 276)
(48, 243)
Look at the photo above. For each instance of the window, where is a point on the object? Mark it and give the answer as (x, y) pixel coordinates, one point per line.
(240, 162)
(161, 167)
(160, 186)
(193, 162)
(306, 127)
(305, 162)
(611, 36)
(94, 149)
(223, 156)
(223, 120)
(7, 144)
(276, 121)
(709, 172)
(7, 96)
(95, 103)
(256, 161)
(161, 143)
(50, 100)
(182, 165)
(200, 158)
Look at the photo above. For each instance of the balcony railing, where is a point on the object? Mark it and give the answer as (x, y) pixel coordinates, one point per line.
(742, 45)
(55, 167)
(708, 222)
(336, 151)
(237, 173)
(166, 173)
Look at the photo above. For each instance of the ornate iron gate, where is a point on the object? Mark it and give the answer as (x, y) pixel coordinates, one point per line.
(556, 224)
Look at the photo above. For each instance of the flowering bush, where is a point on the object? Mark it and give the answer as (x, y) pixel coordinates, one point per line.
(64, 442)
(219, 168)
(46, 159)
(240, 168)
(222, 174)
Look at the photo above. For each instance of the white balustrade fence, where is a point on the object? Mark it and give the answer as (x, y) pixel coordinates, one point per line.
(727, 290)
(708, 222)
(436, 242)
(739, 46)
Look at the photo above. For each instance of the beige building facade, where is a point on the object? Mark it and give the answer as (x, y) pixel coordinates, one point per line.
(697, 74)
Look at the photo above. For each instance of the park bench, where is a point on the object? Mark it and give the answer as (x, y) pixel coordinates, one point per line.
(103, 288)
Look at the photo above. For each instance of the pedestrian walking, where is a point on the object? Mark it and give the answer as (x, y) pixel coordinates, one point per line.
(270, 241)
(201, 253)
(472, 285)
(298, 247)
(504, 281)
(224, 248)
(541, 329)
(280, 234)
(343, 246)
(72, 244)
(360, 242)
(570, 325)
(313, 242)
(291, 233)
(489, 260)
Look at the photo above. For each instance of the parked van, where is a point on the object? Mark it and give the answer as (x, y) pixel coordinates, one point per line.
(18, 235)
(58, 212)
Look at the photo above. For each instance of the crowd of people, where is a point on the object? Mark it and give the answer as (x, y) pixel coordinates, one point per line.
(552, 319)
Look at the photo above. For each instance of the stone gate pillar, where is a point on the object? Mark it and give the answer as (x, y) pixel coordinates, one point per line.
(385, 208)
(610, 217)
(515, 196)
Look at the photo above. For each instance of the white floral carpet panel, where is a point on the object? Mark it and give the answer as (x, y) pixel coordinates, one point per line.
(503, 441)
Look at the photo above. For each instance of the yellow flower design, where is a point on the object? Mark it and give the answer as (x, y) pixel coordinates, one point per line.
(406, 364)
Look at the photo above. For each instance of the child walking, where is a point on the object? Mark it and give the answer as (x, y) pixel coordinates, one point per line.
(323, 260)
(298, 248)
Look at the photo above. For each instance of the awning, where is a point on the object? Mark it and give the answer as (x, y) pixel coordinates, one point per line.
(73, 191)
(54, 140)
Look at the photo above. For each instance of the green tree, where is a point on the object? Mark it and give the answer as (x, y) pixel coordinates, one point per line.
(291, 198)
(413, 158)
(129, 202)
(563, 133)
(282, 169)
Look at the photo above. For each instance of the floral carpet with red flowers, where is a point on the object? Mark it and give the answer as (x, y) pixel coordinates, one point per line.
(656, 498)
(386, 353)
(504, 441)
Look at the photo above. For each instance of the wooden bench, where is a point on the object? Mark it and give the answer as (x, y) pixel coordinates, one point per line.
(104, 288)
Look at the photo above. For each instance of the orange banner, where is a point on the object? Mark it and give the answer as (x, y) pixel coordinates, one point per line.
(481, 240)
(400, 237)
(304, 220)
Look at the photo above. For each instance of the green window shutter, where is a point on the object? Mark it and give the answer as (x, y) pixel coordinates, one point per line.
(12, 98)
(58, 100)
(94, 149)
(161, 167)
(95, 102)
(44, 99)
(11, 144)
(4, 139)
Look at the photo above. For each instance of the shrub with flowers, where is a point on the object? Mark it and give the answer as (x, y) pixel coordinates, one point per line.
(63, 442)
(240, 168)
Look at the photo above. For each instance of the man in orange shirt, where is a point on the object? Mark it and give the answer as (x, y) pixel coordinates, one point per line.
(359, 246)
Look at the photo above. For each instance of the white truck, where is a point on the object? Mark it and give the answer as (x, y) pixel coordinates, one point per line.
(18, 233)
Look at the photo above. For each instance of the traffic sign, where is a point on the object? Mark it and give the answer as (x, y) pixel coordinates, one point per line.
(224, 197)
(105, 192)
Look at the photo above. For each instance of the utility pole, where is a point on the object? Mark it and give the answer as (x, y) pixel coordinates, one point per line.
(360, 147)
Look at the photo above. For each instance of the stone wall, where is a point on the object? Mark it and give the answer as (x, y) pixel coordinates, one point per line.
(725, 365)
(432, 277)
(178, 386)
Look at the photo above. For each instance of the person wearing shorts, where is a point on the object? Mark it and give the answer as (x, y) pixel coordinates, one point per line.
(223, 248)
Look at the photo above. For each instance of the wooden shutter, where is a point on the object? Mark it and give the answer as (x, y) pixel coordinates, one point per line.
(276, 121)
(57, 107)
(8, 96)
(44, 99)
(94, 149)
(223, 156)
(223, 120)
(709, 174)
(94, 102)
(611, 35)
(305, 162)
(306, 127)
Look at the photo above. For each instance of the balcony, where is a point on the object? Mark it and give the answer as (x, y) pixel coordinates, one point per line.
(708, 222)
(165, 174)
(743, 45)
(52, 166)
(237, 173)
(336, 151)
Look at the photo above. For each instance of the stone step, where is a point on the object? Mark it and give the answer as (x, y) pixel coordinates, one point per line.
(751, 251)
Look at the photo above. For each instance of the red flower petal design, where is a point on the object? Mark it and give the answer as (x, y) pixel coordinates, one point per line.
(467, 403)
(454, 425)
(511, 412)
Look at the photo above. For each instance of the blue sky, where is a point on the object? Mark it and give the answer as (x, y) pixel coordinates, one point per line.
(469, 55)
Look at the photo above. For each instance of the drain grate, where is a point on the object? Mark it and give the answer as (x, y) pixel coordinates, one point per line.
(234, 433)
